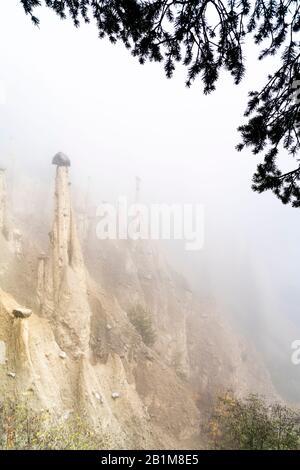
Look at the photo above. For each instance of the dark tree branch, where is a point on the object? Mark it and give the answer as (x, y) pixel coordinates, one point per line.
(207, 36)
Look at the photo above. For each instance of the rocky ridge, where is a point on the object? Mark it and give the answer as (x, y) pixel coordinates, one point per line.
(77, 351)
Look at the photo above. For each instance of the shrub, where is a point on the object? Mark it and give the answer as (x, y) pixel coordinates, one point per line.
(251, 423)
(141, 319)
(21, 428)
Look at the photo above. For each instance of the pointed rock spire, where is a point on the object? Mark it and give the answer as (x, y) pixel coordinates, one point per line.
(3, 203)
(62, 227)
(62, 290)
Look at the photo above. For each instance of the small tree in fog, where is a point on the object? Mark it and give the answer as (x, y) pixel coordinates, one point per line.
(22, 428)
(286, 427)
(141, 318)
(252, 424)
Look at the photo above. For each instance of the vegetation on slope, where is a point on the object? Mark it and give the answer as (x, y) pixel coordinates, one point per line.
(141, 319)
(21, 428)
(253, 424)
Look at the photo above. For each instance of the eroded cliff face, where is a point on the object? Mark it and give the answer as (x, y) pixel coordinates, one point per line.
(17, 267)
(3, 204)
(127, 394)
(137, 273)
(78, 352)
(193, 337)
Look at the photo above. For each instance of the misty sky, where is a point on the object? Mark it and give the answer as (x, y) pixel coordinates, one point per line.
(63, 89)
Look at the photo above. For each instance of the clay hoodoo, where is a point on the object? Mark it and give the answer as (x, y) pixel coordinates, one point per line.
(62, 236)
(62, 291)
(3, 208)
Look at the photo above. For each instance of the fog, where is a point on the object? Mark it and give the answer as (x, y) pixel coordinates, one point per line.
(63, 89)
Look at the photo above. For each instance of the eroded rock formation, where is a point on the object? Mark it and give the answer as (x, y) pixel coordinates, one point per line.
(192, 337)
(3, 203)
(79, 352)
(62, 289)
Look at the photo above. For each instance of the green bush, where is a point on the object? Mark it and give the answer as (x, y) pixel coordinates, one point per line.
(21, 428)
(141, 319)
(253, 424)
